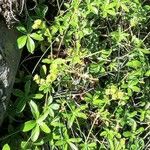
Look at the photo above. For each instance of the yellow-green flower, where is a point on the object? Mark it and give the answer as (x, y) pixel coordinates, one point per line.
(37, 24)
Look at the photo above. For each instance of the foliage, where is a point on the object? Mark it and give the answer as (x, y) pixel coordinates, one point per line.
(91, 87)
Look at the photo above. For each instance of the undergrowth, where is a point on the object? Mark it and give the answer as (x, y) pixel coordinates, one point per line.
(90, 87)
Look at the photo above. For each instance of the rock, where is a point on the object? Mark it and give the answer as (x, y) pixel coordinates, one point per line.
(9, 60)
(10, 9)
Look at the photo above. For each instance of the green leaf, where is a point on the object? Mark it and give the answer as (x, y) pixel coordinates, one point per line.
(133, 125)
(121, 144)
(70, 121)
(30, 45)
(43, 117)
(104, 133)
(54, 106)
(134, 64)
(22, 29)
(29, 125)
(27, 87)
(135, 88)
(75, 140)
(51, 112)
(20, 105)
(145, 51)
(147, 73)
(57, 124)
(37, 37)
(82, 107)
(44, 127)
(111, 12)
(81, 115)
(111, 144)
(6, 147)
(37, 96)
(50, 99)
(127, 134)
(18, 93)
(43, 71)
(73, 146)
(140, 130)
(47, 61)
(35, 133)
(54, 30)
(34, 109)
(94, 10)
(133, 82)
(59, 143)
(132, 114)
(92, 144)
(21, 41)
(24, 145)
(124, 7)
(41, 10)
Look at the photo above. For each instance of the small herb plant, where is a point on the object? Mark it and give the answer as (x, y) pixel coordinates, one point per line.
(92, 87)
